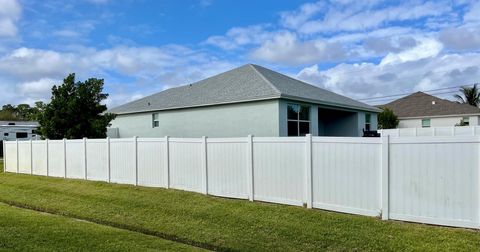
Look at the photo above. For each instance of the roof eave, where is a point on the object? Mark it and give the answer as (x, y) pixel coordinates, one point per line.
(438, 116)
(372, 109)
(196, 106)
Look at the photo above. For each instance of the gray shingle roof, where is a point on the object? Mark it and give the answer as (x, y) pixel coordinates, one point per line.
(420, 104)
(245, 83)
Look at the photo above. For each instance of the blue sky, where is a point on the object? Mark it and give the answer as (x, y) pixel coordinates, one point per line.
(360, 49)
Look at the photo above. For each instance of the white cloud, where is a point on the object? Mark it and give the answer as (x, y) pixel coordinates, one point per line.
(361, 16)
(30, 64)
(293, 19)
(10, 11)
(39, 89)
(363, 80)
(426, 48)
(472, 15)
(461, 38)
(126, 70)
(286, 48)
(241, 36)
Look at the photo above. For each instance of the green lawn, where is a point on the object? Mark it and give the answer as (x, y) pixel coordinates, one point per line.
(26, 230)
(225, 224)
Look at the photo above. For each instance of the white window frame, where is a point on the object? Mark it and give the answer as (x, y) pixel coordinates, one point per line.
(298, 121)
(155, 120)
(426, 120)
(369, 122)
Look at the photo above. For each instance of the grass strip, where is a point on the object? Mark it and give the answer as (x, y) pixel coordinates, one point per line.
(225, 224)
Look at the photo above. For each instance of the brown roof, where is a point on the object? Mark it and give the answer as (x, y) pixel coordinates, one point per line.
(420, 104)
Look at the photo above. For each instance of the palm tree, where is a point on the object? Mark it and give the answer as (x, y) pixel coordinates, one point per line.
(471, 95)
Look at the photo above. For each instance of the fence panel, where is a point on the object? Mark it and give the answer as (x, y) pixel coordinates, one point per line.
(433, 131)
(56, 158)
(279, 169)
(122, 161)
(435, 180)
(39, 155)
(432, 180)
(346, 174)
(75, 159)
(151, 162)
(465, 131)
(186, 164)
(227, 167)
(443, 131)
(11, 156)
(97, 160)
(24, 160)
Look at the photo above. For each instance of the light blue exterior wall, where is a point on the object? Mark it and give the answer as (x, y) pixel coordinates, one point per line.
(232, 120)
(260, 118)
(350, 124)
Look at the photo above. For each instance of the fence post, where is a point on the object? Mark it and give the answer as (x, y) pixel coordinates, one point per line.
(204, 165)
(108, 160)
(65, 157)
(478, 182)
(135, 142)
(48, 161)
(250, 178)
(4, 142)
(31, 157)
(85, 156)
(166, 172)
(415, 132)
(434, 132)
(385, 177)
(308, 171)
(18, 162)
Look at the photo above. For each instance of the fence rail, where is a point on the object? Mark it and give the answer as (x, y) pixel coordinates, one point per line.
(433, 131)
(432, 180)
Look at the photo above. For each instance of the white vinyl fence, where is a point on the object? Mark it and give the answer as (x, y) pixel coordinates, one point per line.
(421, 179)
(433, 131)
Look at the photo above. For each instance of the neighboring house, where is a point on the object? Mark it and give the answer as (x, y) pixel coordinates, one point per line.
(420, 110)
(247, 100)
(21, 130)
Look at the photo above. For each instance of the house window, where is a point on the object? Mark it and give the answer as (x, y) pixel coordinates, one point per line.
(155, 121)
(367, 122)
(5, 134)
(466, 121)
(298, 123)
(22, 135)
(425, 123)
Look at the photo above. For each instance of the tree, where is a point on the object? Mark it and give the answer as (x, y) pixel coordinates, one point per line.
(21, 112)
(387, 119)
(471, 95)
(76, 110)
(462, 123)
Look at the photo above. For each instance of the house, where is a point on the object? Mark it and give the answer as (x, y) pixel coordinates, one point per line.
(246, 100)
(18, 130)
(421, 110)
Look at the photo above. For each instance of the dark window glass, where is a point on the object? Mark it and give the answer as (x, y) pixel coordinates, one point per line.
(22, 134)
(367, 127)
(292, 128)
(304, 128)
(5, 134)
(304, 113)
(367, 118)
(293, 110)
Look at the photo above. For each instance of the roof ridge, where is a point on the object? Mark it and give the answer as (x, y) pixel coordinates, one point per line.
(265, 79)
